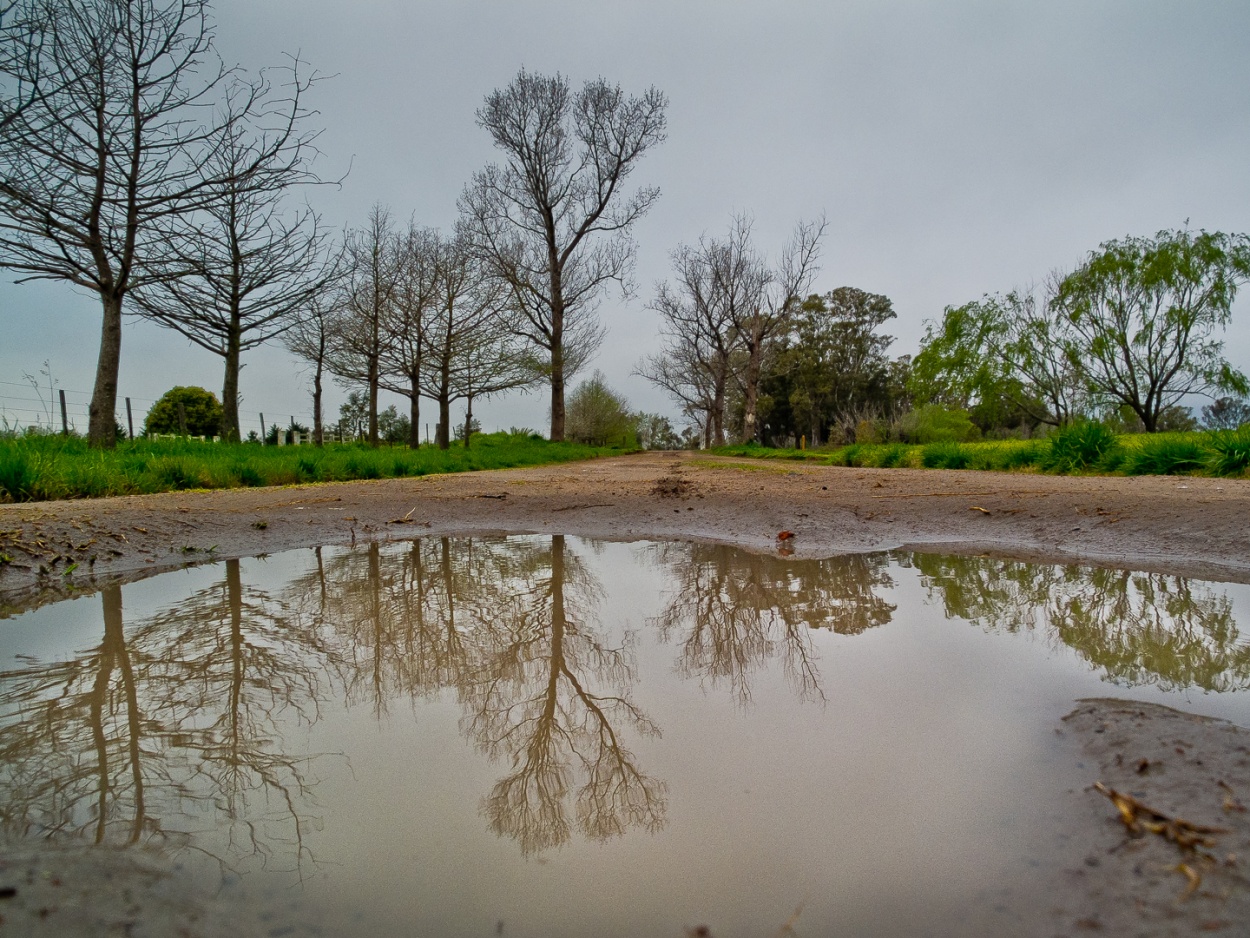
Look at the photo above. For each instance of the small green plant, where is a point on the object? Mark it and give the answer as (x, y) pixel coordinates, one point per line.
(891, 455)
(948, 455)
(1229, 452)
(17, 474)
(1166, 456)
(1079, 447)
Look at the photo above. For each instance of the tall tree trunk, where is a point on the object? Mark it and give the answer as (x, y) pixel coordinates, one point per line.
(102, 420)
(717, 416)
(230, 387)
(318, 424)
(751, 392)
(557, 393)
(468, 420)
(414, 412)
(557, 360)
(373, 400)
(444, 407)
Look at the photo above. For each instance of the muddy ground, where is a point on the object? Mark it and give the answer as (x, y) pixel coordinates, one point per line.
(1194, 768)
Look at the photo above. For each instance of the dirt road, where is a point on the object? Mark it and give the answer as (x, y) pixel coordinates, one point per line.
(1192, 526)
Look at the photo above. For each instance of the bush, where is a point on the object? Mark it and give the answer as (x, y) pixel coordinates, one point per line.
(1163, 456)
(17, 475)
(1230, 452)
(202, 409)
(946, 455)
(933, 423)
(1079, 447)
(599, 416)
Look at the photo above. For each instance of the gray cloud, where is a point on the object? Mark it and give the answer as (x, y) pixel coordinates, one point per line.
(957, 148)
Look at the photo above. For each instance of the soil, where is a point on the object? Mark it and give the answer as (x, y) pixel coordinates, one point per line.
(1195, 768)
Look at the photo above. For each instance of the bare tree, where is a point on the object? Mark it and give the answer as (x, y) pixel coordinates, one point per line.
(23, 32)
(253, 266)
(552, 221)
(765, 298)
(491, 360)
(114, 144)
(697, 312)
(373, 264)
(404, 321)
(471, 353)
(309, 338)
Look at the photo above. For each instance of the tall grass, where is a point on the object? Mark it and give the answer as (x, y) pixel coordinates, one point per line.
(48, 467)
(1080, 448)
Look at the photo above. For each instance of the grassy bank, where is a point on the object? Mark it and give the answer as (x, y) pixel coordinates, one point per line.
(1087, 449)
(48, 467)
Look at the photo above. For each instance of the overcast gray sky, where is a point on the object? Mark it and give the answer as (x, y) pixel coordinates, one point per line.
(957, 148)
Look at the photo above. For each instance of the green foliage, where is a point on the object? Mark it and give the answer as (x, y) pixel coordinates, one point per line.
(1144, 313)
(1084, 447)
(1226, 413)
(394, 427)
(933, 423)
(946, 455)
(830, 368)
(17, 474)
(1080, 446)
(1166, 455)
(598, 416)
(656, 432)
(953, 366)
(1229, 452)
(203, 413)
(53, 467)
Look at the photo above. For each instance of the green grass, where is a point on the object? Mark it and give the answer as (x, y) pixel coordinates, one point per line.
(1089, 449)
(48, 467)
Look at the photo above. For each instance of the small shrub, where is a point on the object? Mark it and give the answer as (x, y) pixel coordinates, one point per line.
(1164, 457)
(1230, 452)
(17, 475)
(933, 423)
(890, 456)
(1079, 447)
(177, 474)
(201, 408)
(248, 475)
(948, 455)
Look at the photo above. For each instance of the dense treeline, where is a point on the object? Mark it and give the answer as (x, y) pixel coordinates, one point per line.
(1124, 339)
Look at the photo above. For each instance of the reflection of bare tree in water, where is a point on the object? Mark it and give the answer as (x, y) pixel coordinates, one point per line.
(167, 727)
(530, 699)
(733, 611)
(503, 622)
(1139, 628)
(396, 614)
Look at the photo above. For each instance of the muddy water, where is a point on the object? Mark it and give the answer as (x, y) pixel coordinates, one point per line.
(552, 736)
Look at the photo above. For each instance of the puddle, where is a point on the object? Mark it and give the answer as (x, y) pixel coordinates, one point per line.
(555, 736)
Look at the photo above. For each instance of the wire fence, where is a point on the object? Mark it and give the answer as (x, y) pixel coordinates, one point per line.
(49, 408)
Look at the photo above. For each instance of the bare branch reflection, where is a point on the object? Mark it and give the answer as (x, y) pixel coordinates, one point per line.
(508, 623)
(1137, 628)
(167, 723)
(733, 612)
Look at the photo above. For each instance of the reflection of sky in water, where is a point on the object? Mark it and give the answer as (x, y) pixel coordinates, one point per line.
(454, 733)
